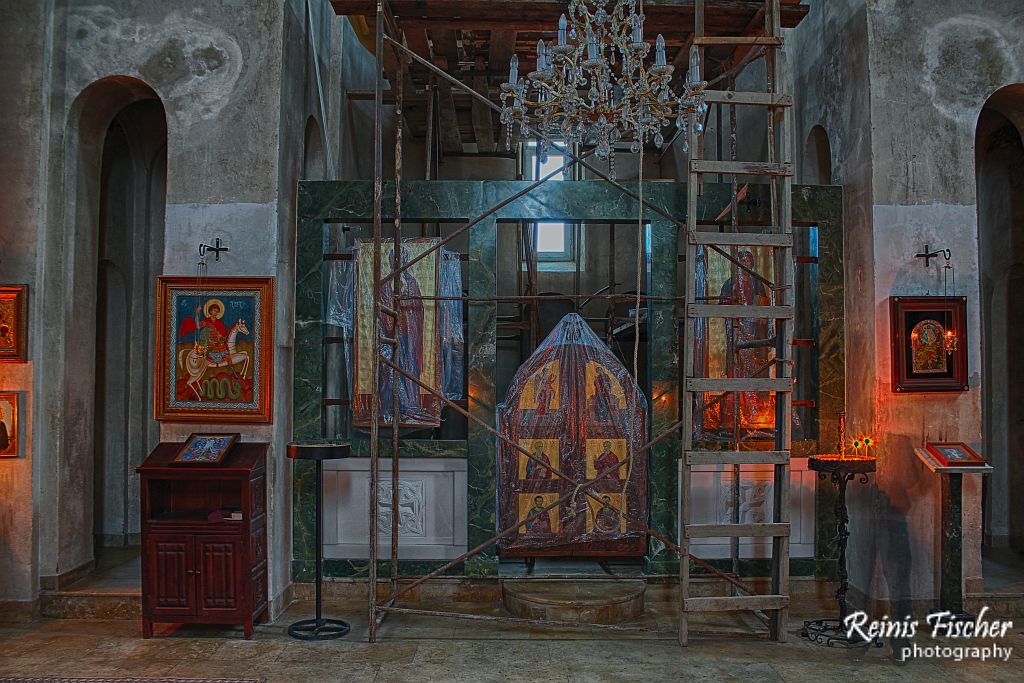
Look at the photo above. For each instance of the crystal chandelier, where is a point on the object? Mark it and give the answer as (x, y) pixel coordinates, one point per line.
(594, 86)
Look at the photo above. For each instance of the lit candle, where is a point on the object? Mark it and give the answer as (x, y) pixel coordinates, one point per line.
(659, 55)
(563, 26)
(513, 70)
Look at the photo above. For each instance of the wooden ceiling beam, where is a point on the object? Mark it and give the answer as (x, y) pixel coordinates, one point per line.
(503, 46)
(483, 123)
(451, 138)
(542, 15)
(417, 41)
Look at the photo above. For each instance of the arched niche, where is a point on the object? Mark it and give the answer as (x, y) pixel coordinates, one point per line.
(816, 166)
(314, 166)
(999, 166)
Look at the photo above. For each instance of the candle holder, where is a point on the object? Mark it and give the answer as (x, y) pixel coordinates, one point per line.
(842, 468)
(319, 627)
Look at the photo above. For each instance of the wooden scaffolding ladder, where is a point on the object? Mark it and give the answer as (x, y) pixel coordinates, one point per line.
(779, 238)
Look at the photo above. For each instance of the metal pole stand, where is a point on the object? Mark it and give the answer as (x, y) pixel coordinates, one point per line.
(831, 632)
(319, 628)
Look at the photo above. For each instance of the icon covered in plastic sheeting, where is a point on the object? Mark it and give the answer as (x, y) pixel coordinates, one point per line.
(574, 408)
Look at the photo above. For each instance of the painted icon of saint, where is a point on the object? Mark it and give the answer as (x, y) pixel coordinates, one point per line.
(607, 518)
(748, 343)
(534, 470)
(538, 522)
(607, 458)
(602, 402)
(410, 342)
(5, 437)
(928, 353)
(7, 341)
(547, 390)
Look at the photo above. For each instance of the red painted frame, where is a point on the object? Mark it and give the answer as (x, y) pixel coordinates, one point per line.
(162, 409)
(937, 454)
(18, 294)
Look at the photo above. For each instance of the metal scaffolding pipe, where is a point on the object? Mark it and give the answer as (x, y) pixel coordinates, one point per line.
(378, 190)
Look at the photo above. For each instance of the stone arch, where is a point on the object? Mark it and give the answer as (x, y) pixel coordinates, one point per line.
(999, 168)
(79, 250)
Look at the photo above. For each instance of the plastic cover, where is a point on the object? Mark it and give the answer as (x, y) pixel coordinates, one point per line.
(430, 337)
(575, 407)
(340, 304)
(453, 341)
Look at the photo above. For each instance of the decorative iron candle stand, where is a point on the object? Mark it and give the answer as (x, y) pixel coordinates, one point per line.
(842, 468)
(319, 628)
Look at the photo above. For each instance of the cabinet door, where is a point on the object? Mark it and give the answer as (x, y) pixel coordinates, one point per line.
(169, 584)
(220, 574)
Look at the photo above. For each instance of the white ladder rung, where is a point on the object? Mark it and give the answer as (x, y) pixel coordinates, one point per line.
(711, 166)
(736, 603)
(723, 384)
(758, 530)
(758, 99)
(739, 311)
(742, 239)
(768, 41)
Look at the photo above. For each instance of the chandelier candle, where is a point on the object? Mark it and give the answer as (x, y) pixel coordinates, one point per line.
(596, 87)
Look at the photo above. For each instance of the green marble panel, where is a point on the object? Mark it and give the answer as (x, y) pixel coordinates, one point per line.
(453, 200)
(481, 360)
(351, 201)
(307, 375)
(663, 370)
(824, 206)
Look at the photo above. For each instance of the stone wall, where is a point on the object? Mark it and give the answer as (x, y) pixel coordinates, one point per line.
(23, 77)
(237, 83)
(898, 87)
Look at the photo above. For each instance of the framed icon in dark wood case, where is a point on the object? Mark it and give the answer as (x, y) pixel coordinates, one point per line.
(929, 343)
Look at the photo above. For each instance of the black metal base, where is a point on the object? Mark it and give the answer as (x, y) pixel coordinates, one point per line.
(319, 629)
(830, 632)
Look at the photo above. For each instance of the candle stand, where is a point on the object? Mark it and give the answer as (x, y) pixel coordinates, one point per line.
(843, 470)
(319, 627)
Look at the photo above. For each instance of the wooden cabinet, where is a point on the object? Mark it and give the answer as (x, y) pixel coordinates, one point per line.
(195, 570)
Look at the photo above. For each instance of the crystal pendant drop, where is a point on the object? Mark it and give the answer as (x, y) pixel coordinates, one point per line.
(599, 81)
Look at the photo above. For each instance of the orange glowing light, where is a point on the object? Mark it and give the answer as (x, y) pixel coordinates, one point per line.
(862, 446)
(951, 341)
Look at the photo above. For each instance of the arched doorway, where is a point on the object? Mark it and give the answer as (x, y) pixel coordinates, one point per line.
(133, 179)
(104, 246)
(999, 149)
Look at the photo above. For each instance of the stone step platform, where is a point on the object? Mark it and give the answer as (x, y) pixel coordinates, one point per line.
(588, 602)
(84, 604)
